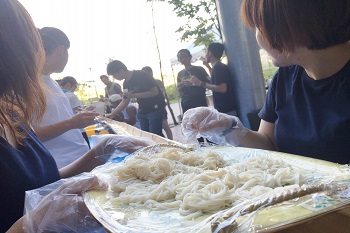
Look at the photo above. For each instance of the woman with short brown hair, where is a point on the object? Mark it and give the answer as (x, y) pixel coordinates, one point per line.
(307, 110)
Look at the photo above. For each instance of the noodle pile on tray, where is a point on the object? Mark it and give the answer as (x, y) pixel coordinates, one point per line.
(195, 183)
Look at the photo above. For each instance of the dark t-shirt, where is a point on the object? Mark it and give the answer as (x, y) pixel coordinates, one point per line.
(142, 82)
(28, 167)
(113, 88)
(311, 117)
(223, 102)
(193, 95)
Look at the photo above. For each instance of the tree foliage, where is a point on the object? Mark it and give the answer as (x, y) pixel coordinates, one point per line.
(202, 24)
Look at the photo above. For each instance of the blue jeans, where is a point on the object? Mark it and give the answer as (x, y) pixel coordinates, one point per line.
(152, 122)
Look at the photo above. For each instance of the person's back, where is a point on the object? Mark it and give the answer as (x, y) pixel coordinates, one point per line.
(25, 164)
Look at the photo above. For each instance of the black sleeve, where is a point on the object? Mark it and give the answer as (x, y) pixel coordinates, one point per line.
(222, 74)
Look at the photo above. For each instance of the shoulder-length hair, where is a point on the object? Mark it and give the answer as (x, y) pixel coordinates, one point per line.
(22, 100)
(286, 24)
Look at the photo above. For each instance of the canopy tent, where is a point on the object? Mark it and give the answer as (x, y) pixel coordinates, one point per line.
(196, 51)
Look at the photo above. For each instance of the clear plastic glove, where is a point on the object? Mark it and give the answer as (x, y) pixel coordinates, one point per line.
(122, 144)
(63, 209)
(217, 127)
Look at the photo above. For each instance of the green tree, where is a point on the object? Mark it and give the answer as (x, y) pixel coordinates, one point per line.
(202, 24)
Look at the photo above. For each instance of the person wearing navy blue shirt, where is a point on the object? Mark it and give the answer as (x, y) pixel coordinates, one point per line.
(140, 85)
(221, 83)
(307, 110)
(191, 96)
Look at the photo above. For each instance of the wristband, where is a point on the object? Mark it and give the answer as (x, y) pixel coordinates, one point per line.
(203, 84)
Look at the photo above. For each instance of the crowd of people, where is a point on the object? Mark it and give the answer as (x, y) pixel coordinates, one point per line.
(307, 110)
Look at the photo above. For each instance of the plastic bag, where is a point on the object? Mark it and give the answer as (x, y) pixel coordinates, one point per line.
(217, 127)
(114, 148)
(59, 207)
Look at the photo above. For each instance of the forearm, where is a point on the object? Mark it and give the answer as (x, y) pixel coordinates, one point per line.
(84, 164)
(119, 108)
(17, 227)
(217, 88)
(257, 140)
(49, 132)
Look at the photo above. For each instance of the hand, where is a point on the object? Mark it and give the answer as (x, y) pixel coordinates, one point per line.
(109, 115)
(187, 82)
(89, 108)
(205, 120)
(63, 210)
(129, 144)
(128, 95)
(83, 119)
(195, 81)
(218, 127)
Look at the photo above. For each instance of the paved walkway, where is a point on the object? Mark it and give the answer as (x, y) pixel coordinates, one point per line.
(176, 129)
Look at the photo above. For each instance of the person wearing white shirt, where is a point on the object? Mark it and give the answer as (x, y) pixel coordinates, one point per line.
(59, 129)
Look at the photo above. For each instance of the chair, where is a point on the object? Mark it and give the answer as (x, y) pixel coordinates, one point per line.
(254, 120)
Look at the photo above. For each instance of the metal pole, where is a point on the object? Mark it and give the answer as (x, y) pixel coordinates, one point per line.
(243, 59)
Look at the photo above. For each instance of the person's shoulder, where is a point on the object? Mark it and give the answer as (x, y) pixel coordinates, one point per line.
(159, 82)
(198, 67)
(140, 74)
(285, 76)
(220, 64)
(288, 71)
(182, 71)
(115, 84)
(48, 80)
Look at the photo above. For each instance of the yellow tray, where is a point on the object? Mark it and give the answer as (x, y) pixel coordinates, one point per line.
(270, 219)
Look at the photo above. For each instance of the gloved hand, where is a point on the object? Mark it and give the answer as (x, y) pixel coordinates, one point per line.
(127, 144)
(217, 127)
(63, 209)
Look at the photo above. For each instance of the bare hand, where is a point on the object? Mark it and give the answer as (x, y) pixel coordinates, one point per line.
(89, 108)
(187, 82)
(83, 119)
(195, 81)
(128, 95)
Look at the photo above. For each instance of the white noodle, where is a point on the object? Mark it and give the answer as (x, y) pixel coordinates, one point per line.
(196, 183)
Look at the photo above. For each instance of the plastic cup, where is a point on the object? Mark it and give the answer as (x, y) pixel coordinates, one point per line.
(99, 107)
(90, 132)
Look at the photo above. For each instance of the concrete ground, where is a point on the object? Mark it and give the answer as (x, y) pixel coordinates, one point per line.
(176, 129)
